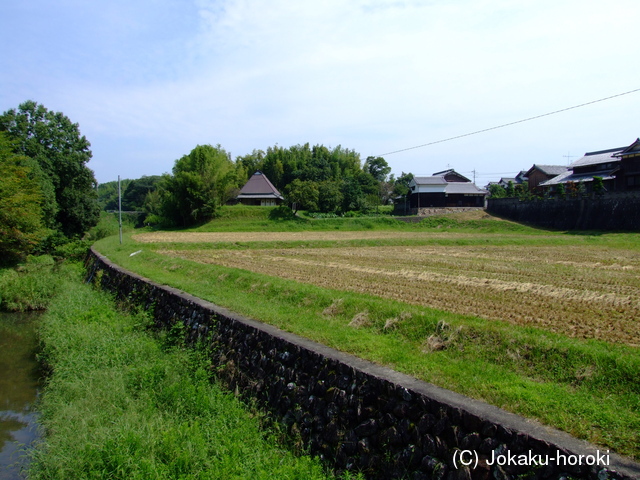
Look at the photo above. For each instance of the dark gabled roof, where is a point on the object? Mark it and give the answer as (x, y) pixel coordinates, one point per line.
(259, 186)
(634, 148)
(451, 171)
(548, 169)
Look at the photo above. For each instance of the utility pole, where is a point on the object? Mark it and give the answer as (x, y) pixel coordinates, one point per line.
(119, 210)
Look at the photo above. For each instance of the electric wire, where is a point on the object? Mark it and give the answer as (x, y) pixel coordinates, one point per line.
(509, 124)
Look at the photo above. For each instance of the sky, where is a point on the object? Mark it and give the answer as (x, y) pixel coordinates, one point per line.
(149, 80)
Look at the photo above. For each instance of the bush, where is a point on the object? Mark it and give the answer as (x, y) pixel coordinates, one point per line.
(30, 286)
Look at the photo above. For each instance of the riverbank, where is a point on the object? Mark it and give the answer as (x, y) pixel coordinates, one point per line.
(123, 401)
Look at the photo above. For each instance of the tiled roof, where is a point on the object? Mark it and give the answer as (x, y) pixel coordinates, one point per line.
(434, 180)
(466, 188)
(569, 176)
(593, 158)
(549, 169)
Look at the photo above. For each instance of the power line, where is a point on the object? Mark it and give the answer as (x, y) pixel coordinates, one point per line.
(509, 124)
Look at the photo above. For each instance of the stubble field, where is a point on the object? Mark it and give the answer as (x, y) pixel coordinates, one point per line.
(582, 291)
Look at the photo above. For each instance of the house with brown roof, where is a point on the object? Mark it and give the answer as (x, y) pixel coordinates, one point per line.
(259, 191)
(445, 189)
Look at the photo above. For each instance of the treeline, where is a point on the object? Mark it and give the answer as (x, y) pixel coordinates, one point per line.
(318, 179)
(49, 198)
(47, 192)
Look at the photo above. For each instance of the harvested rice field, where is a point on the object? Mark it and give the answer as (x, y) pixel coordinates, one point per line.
(583, 292)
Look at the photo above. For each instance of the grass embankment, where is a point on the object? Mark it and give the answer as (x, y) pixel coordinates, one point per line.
(122, 403)
(589, 388)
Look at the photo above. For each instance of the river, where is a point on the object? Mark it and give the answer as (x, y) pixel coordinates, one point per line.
(19, 388)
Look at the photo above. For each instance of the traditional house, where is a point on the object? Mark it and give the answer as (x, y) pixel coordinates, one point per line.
(259, 191)
(445, 189)
(541, 173)
(604, 164)
(629, 176)
(519, 179)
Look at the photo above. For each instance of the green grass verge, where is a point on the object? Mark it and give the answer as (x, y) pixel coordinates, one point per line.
(588, 388)
(122, 403)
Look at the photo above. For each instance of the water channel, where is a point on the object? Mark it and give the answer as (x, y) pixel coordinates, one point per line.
(19, 388)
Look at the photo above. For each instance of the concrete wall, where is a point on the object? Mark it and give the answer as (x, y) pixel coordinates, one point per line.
(609, 212)
(356, 415)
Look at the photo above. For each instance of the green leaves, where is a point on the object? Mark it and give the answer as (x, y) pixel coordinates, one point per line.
(60, 152)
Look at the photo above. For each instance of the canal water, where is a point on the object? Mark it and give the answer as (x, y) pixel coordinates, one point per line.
(19, 387)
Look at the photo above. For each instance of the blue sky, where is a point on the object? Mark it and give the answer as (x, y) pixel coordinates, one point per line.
(149, 80)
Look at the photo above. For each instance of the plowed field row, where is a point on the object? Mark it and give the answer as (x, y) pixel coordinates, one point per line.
(583, 292)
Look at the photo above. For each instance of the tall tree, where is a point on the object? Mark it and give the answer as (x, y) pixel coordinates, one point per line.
(201, 182)
(62, 153)
(20, 203)
(378, 167)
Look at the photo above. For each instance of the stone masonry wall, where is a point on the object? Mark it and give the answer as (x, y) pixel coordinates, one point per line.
(359, 416)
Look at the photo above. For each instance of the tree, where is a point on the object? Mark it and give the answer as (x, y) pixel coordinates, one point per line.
(330, 197)
(497, 191)
(69, 198)
(135, 192)
(377, 167)
(598, 186)
(202, 181)
(511, 190)
(21, 226)
(302, 194)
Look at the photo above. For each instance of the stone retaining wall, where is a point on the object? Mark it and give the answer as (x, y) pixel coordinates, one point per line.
(359, 416)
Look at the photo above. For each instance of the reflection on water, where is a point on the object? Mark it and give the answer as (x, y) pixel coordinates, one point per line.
(18, 390)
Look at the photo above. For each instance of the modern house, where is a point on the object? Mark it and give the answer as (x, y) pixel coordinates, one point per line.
(445, 189)
(259, 191)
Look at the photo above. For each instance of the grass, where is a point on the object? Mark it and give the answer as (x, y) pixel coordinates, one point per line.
(587, 387)
(123, 403)
(29, 286)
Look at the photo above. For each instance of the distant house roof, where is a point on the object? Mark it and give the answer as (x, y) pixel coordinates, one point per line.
(466, 188)
(450, 174)
(631, 150)
(433, 180)
(594, 158)
(585, 174)
(259, 187)
(551, 170)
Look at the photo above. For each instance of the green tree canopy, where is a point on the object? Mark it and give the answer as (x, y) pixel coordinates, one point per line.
(20, 203)
(201, 182)
(68, 185)
(378, 168)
